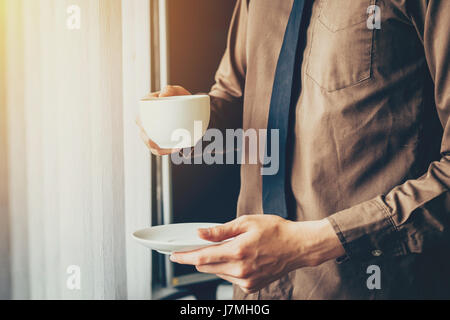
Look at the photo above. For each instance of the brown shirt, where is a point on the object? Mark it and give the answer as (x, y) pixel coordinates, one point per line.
(371, 138)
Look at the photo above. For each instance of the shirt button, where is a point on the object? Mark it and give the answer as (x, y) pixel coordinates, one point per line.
(377, 253)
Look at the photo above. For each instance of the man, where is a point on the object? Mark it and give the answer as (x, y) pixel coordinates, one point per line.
(366, 154)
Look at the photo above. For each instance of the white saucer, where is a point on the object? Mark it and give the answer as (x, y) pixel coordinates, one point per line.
(170, 238)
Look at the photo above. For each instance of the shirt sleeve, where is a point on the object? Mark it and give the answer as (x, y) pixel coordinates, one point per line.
(228, 89)
(414, 216)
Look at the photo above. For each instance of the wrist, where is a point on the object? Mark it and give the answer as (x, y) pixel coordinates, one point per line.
(330, 244)
(319, 243)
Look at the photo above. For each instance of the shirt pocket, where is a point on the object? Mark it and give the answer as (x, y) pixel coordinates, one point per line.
(340, 53)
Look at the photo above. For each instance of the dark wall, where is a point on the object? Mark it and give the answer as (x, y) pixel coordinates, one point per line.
(198, 34)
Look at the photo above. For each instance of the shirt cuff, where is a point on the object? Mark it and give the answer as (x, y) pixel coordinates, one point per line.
(367, 231)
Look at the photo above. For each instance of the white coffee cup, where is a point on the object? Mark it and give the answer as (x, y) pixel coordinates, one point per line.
(175, 122)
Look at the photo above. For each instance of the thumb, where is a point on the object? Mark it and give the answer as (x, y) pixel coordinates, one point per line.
(220, 233)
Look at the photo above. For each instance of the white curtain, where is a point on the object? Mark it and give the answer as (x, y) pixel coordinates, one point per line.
(75, 178)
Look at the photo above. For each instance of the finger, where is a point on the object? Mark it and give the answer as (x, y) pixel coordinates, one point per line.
(139, 124)
(213, 254)
(162, 152)
(154, 148)
(152, 144)
(246, 286)
(145, 139)
(141, 127)
(233, 280)
(169, 91)
(231, 269)
(148, 141)
(222, 232)
(157, 152)
(151, 95)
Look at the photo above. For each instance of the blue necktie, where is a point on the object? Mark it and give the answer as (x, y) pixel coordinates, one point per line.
(284, 98)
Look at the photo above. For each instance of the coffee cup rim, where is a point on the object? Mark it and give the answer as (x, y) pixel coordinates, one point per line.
(184, 97)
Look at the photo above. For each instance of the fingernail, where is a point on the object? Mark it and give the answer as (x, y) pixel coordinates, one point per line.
(172, 258)
(205, 231)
